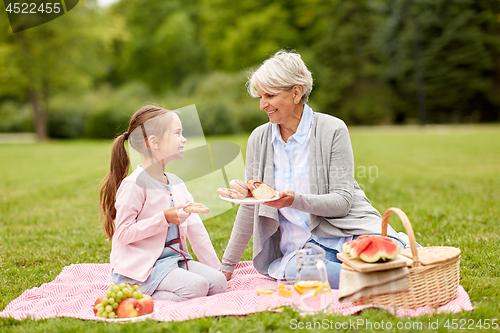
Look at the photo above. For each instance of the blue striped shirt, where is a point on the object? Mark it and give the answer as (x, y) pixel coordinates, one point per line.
(291, 172)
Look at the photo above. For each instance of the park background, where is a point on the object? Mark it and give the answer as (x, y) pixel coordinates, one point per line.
(395, 64)
(373, 62)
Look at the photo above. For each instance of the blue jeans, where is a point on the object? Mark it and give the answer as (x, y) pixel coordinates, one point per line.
(331, 262)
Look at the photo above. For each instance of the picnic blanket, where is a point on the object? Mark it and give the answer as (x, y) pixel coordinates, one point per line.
(74, 291)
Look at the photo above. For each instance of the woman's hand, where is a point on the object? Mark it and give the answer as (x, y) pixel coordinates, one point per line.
(176, 215)
(285, 200)
(227, 275)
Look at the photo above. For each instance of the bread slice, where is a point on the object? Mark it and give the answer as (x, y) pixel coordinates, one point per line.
(241, 187)
(260, 190)
(196, 208)
(230, 193)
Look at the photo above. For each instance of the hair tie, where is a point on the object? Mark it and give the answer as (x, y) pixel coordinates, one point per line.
(126, 134)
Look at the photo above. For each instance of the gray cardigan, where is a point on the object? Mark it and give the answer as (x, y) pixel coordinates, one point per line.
(336, 205)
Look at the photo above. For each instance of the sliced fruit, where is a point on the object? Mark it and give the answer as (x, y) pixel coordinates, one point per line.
(298, 289)
(358, 247)
(346, 247)
(380, 249)
(264, 291)
(284, 292)
(303, 286)
(323, 289)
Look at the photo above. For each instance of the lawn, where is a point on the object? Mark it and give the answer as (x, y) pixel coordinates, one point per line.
(446, 178)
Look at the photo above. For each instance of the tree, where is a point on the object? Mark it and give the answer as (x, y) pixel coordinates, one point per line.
(241, 34)
(460, 45)
(66, 54)
(347, 65)
(163, 47)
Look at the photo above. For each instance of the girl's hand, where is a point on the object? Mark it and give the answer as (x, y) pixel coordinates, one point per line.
(227, 275)
(285, 200)
(176, 215)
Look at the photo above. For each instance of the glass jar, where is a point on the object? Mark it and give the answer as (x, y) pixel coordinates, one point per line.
(311, 293)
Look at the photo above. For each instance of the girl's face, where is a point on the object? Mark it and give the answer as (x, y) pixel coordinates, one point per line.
(171, 145)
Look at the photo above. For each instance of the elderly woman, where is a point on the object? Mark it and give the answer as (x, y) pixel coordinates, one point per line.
(307, 157)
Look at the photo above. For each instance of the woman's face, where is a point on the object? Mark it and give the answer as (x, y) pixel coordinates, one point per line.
(279, 107)
(171, 145)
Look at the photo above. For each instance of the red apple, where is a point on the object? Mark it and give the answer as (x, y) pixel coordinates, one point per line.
(97, 301)
(128, 308)
(146, 305)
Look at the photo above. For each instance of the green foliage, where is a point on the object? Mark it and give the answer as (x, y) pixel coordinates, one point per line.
(222, 103)
(162, 47)
(66, 125)
(106, 123)
(216, 119)
(347, 65)
(240, 34)
(15, 117)
(111, 110)
(102, 113)
(460, 47)
(363, 55)
(64, 55)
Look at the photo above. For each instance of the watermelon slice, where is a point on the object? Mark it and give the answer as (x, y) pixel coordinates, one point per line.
(359, 246)
(346, 247)
(379, 249)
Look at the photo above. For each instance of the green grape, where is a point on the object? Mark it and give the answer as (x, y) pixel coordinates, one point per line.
(108, 293)
(123, 285)
(104, 315)
(112, 315)
(119, 294)
(116, 288)
(135, 294)
(113, 294)
(104, 301)
(136, 287)
(126, 292)
(115, 305)
(111, 300)
(139, 294)
(100, 311)
(109, 308)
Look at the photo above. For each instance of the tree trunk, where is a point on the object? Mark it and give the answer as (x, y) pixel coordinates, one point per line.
(39, 113)
(35, 96)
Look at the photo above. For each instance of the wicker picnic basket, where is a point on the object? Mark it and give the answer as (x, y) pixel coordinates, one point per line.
(434, 273)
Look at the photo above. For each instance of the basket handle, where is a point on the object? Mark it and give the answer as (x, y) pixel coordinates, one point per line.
(409, 230)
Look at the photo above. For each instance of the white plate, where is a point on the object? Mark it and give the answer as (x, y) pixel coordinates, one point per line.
(132, 319)
(249, 201)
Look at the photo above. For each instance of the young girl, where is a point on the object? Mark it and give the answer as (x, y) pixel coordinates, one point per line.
(150, 227)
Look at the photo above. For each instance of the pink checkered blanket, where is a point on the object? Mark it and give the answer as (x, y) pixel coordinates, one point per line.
(74, 290)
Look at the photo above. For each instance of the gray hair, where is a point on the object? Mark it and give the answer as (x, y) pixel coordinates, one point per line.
(281, 72)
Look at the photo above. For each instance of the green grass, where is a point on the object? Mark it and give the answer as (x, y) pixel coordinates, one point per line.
(447, 179)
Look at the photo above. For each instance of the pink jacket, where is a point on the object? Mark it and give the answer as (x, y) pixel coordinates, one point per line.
(141, 227)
